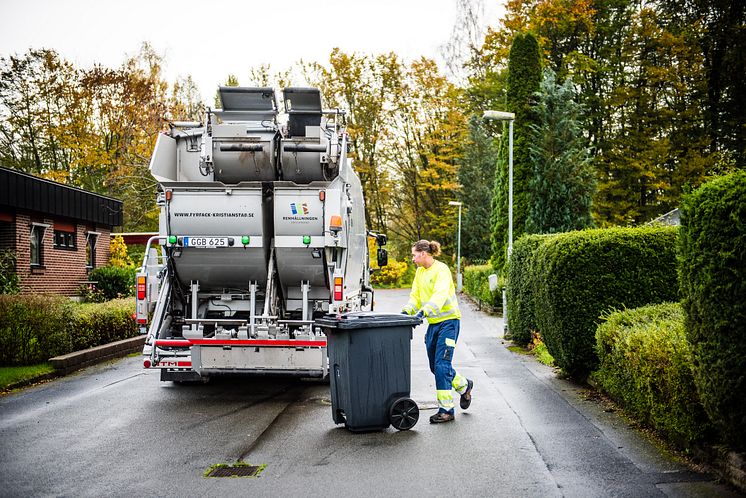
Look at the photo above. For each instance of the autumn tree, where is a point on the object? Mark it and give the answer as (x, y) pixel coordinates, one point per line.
(430, 129)
(363, 85)
(93, 128)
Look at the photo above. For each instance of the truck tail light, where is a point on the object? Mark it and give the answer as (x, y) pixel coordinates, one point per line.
(141, 287)
(337, 288)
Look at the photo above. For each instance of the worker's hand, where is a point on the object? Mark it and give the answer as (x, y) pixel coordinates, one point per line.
(404, 312)
(420, 314)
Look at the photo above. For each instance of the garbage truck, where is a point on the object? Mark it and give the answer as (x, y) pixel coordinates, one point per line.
(262, 231)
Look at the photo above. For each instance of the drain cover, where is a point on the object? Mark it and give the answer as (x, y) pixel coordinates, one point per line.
(235, 470)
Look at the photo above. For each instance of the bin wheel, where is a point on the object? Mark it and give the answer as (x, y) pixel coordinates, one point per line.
(404, 414)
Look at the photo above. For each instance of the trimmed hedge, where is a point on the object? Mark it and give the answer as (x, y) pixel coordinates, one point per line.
(580, 275)
(520, 289)
(33, 328)
(477, 285)
(646, 365)
(713, 287)
(36, 328)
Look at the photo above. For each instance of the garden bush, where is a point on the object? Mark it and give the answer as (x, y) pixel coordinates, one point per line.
(34, 328)
(476, 284)
(113, 282)
(391, 275)
(646, 365)
(9, 283)
(520, 288)
(100, 323)
(580, 275)
(712, 253)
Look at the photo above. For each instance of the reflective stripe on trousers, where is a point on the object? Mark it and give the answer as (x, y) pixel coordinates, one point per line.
(440, 341)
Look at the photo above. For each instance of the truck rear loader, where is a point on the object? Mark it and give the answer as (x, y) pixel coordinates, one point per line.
(261, 231)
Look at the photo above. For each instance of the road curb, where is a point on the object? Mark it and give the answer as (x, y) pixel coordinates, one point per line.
(67, 363)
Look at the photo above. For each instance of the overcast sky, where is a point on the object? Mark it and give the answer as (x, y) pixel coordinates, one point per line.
(211, 39)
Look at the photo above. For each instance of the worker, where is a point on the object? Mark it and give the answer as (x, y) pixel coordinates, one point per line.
(433, 297)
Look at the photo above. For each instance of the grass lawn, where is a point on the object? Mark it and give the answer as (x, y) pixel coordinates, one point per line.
(12, 375)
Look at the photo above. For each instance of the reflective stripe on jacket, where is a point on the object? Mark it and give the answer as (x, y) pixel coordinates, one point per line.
(433, 292)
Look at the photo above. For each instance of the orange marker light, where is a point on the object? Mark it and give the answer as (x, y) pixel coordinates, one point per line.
(322, 195)
(335, 224)
(169, 193)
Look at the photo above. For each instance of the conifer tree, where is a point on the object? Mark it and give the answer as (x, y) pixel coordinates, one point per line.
(476, 178)
(524, 76)
(563, 181)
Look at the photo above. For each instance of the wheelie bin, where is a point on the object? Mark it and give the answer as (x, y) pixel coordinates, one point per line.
(369, 370)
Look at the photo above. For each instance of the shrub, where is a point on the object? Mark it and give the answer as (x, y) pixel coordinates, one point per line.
(8, 277)
(580, 275)
(36, 328)
(390, 275)
(713, 286)
(476, 285)
(646, 365)
(520, 288)
(33, 328)
(100, 323)
(113, 281)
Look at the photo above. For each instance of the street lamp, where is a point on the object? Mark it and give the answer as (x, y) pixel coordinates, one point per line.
(458, 247)
(509, 117)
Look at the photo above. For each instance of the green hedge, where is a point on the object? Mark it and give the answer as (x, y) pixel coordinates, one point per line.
(113, 281)
(580, 275)
(9, 283)
(33, 328)
(520, 288)
(646, 365)
(36, 328)
(713, 288)
(476, 284)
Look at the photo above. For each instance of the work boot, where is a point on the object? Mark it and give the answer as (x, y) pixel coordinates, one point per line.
(441, 417)
(466, 397)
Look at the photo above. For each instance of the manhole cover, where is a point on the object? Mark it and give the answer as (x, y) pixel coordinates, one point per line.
(235, 470)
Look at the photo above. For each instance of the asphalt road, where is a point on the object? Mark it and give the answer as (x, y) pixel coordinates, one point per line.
(116, 430)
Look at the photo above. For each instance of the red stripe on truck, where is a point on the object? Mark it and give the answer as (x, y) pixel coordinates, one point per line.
(175, 343)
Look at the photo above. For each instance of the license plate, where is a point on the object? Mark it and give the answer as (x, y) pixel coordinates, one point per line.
(206, 242)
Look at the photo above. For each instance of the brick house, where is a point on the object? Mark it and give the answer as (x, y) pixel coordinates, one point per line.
(59, 233)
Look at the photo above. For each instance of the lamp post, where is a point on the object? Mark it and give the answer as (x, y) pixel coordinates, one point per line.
(509, 117)
(458, 247)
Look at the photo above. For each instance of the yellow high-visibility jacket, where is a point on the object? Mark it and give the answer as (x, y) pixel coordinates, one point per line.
(433, 292)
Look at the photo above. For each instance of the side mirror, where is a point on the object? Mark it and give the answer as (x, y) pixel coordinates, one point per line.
(383, 257)
(381, 239)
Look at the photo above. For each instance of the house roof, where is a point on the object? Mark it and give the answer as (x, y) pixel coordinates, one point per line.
(21, 191)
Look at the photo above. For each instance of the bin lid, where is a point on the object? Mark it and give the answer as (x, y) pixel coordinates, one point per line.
(367, 319)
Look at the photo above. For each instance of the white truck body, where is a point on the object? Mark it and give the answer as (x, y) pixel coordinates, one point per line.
(262, 230)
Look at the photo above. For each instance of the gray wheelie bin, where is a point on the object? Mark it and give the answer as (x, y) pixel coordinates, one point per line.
(369, 370)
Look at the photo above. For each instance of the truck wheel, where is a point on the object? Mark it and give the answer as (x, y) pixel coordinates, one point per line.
(404, 414)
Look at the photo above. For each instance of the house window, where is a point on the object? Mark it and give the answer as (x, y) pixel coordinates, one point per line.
(90, 249)
(64, 239)
(36, 238)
